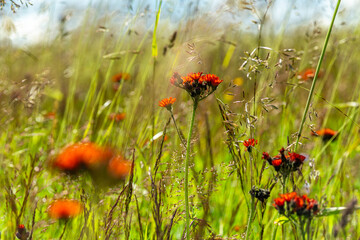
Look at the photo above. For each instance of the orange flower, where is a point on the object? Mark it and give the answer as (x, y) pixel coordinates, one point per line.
(276, 162)
(250, 143)
(167, 103)
(199, 86)
(308, 74)
(120, 76)
(75, 156)
(325, 133)
(294, 157)
(117, 117)
(119, 167)
(64, 209)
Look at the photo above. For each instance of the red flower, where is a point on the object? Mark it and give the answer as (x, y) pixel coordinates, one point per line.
(265, 156)
(276, 162)
(296, 157)
(250, 143)
(279, 202)
(288, 196)
(167, 102)
(301, 205)
(64, 209)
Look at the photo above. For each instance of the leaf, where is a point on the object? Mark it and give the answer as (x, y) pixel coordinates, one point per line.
(281, 220)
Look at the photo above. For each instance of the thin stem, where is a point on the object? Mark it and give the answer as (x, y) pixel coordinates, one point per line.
(62, 234)
(251, 169)
(316, 74)
(251, 213)
(178, 130)
(187, 210)
(284, 177)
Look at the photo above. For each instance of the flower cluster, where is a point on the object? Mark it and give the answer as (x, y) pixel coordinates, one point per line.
(167, 103)
(64, 209)
(285, 163)
(250, 143)
(291, 203)
(199, 86)
(325, 133)
(94, 158)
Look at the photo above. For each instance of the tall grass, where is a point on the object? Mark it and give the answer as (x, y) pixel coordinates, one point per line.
(71, 76)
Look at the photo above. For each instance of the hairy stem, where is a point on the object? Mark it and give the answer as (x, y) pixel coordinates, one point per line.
(251, 213)
(187, 210)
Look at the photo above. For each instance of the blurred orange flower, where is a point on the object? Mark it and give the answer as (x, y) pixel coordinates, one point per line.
(64, 209)
(119, 167)
(77, 155)
(117, 117)
(325, 133)
(120, 76)
(308, 74)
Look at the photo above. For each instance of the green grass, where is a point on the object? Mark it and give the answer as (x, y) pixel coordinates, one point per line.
(84, 99)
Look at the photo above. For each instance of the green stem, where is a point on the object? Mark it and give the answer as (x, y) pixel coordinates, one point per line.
(316, 74)
(178, 130)
(251, 213)
(284, 177)
(187, 210)
(302, 229)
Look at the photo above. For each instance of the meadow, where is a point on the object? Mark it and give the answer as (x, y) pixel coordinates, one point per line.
(97, 88)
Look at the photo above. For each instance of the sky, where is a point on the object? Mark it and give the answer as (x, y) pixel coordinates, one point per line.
(39, 22)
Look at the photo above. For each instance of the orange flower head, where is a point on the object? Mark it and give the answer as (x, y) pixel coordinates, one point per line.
(294, 157)
(308, 74)
(289, 196)
(64, 209)
(325, 133)
(119, 167)
(120, 76)
(276, 162)
(250, 143)
(117, 117)
(21, 226)
(299, 202)
(199, 86)
(279, 202)
(211, 79)
(167, 103)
